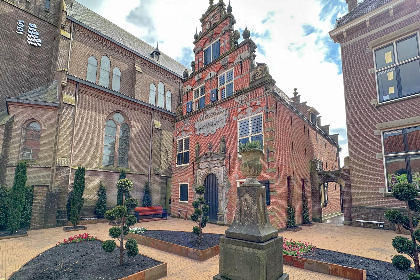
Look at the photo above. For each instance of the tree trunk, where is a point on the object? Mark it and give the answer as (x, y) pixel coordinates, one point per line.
(415, 252)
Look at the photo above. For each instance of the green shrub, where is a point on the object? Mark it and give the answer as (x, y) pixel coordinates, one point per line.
(413, 276)
(200, 209)
(109, 246)
(248, 146)
(4, 192)
(100, 208)
(17, 198)
(76, 201)
(119, 192)
(115, 232)
(401, 262)
(147, 200)
(305, 210)
(132, 248)
(291, 221)
(27, 208)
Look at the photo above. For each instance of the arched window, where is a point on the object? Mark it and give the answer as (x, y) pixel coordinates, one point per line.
(91, 70)
(116, 79)
(31, 140)
(104, 74)
(161, 95)
(168, 100)
(117, 134)
(152, 95)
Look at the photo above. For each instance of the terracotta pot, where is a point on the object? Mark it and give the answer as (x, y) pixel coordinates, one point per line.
(251, 166)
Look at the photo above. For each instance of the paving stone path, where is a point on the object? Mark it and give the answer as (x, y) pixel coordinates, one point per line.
(369, 243)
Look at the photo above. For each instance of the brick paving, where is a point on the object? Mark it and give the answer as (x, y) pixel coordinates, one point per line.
(370, 243)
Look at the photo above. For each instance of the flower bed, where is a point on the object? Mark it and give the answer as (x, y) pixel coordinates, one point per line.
(77, 238)
(296, 248)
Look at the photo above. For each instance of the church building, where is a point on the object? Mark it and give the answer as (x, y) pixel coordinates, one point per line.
(80, 91)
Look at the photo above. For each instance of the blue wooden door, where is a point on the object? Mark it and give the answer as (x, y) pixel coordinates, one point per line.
(212, 196)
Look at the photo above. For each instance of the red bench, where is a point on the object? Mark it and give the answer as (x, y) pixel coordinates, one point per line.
(151, 212)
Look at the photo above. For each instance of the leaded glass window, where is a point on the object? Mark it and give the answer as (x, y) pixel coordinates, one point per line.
(104, 72)
(152, 94)
(251, 129)
(212, 52)
(161, 95)
(91, 70)
(168, 101)
(398, 69)
(31, 141)
(183, 151)
(402, 156)
(199, 98)
(226, 84)
(116, 79)
(117, 134)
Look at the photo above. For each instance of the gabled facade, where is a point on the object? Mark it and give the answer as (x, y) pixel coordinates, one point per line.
(380, 54)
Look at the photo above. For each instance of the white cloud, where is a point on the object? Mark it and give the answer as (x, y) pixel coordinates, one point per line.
(294, 60)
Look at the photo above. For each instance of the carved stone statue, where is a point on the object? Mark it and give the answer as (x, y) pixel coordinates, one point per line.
(193, 65)
(197, 150)
(223, 145)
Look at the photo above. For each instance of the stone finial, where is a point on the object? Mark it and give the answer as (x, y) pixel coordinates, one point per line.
(295, 93)
(185, 74)
(246, 34)
(229, 8)
(196, 34)
(211, 2)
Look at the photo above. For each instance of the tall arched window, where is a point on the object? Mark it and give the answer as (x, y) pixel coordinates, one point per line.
(117, 134)
(91, 70)
(31, 140)
(152, 95)
(168, 100)
(116, 79)
(161, 95)
(104, 74)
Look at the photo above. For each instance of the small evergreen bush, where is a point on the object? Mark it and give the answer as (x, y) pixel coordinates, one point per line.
(27, 208)
(132, 248)
(4, 193)
(291, 221)
(401, 262)
(76, 200)
(413, 276)
(200, 210)
(17, 198)
(100, 208)
(249, 146)
(147, 200)
(119, 192)
(305, 210)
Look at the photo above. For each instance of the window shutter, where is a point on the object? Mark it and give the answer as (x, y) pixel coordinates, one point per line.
(186, 158)
(189, 107)
(221, 80)
(229, 89)
(216, 50)
(179, 159)
(213, 95)
(202, 102)
(207, 56)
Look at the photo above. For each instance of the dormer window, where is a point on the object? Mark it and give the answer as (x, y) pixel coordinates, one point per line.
(156, 53)
(212, 52)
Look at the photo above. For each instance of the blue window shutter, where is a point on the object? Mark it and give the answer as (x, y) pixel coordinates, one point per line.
(186, 157)
(202, 102)
(229, 89)
(189, 107)
(213, 95)
(216, 50)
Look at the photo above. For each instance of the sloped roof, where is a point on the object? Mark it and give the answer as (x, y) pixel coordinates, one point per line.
(44, 95)
(361, 9)
(91, 19)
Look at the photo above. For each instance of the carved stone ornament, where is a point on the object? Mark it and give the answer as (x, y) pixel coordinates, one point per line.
(211, 121)
(197, 150)
(224, 62)
(193, 65)
(260, 72)
(236, 36)
(246, 34)
(185, 74)
(223, 145)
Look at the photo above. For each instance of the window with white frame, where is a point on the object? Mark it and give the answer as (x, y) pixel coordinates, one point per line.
(251, 129)
(212, 52)
(402, 156)
(199, 98)
(183, 192)
(183, 151)
(397, 67)
(226, 84)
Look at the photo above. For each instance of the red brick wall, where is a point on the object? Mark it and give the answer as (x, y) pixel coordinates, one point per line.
(367, 172)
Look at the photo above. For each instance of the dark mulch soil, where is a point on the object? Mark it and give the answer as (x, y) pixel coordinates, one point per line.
(84, 260)
(4, 233)
(74, 228)
(186, 239)
(375, 270)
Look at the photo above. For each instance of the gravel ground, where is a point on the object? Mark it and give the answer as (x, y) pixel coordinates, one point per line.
(84, 260)
(186, 239)
(375, 270)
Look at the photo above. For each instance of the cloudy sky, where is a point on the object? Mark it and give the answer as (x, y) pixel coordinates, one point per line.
(292, 38)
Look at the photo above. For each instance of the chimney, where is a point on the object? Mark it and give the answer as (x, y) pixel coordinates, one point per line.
(351, 4)
(318, 121)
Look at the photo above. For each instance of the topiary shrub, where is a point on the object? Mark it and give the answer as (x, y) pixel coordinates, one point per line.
(119, 192)
(100, 208)
(17, 198)
(406, 192)
(121, 214)
(27, 208)
(147, 200)
(401, 262)
(413, 276)
(76, 200)
(4, 192)
(305, 210)
(291, 221)
(200, 210)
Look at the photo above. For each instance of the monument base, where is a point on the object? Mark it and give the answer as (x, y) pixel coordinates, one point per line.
(245, 260)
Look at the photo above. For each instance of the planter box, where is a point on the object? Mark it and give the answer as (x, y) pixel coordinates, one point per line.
(90, 222)
(67, 229)
(153, 273)
(198, 255)
(325, 268)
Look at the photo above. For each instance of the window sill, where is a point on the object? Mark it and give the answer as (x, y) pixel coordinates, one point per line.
(183, 165)
(185, 202)
(377, 104)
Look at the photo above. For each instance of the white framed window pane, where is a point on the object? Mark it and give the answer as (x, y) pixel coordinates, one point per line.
(407, 48)
(161, 95)
(180, 146)
(256, 123)
(186, 144)
(229, 76)
(222, 80)
(410, 78)
(244, 128)
(116, 79)
(152, 94)
(413, 139)
(104, 73)
(92, 69)
(168, 100)
(110, 131)
(384, 56)
(387, 85)
(393, 142)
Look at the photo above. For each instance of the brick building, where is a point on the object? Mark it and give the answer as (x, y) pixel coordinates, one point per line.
(380, 55)
(229, 99)
(81, 91)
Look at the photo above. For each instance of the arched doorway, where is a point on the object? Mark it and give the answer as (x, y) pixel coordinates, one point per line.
(212, 196)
